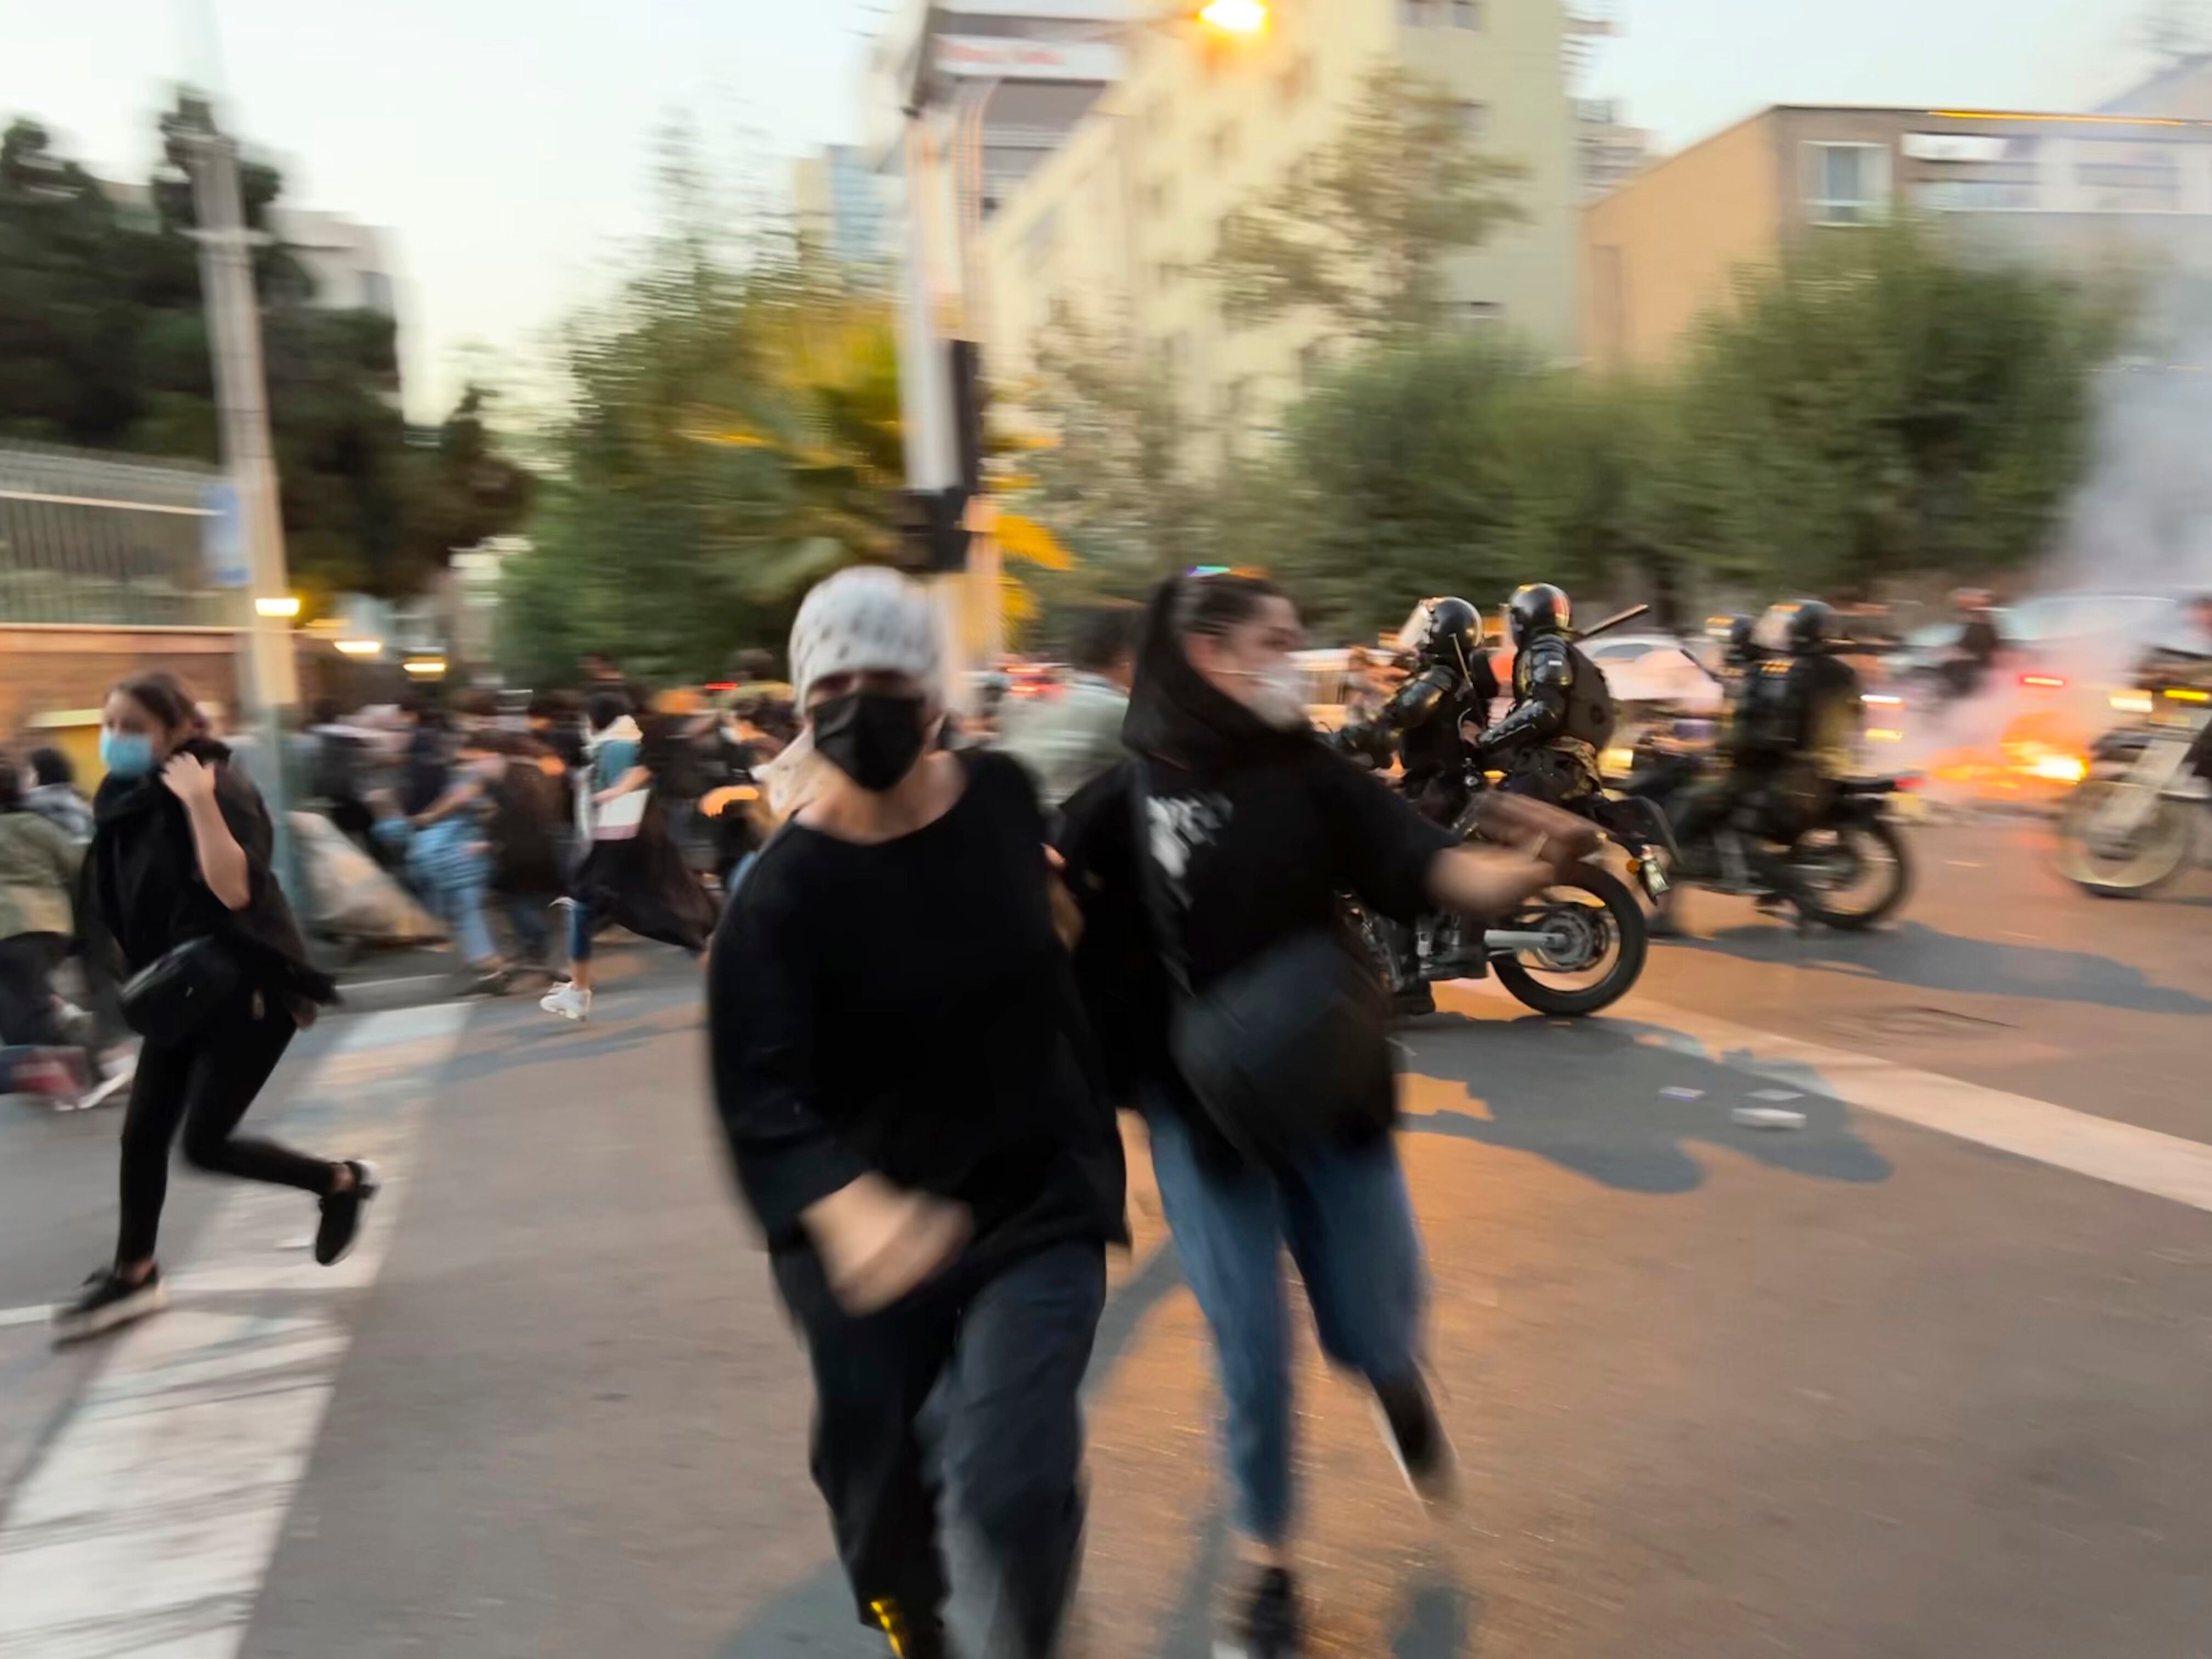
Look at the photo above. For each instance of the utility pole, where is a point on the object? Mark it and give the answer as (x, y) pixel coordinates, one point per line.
(271, 678)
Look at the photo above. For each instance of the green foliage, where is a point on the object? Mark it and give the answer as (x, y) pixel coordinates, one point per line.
(104, 345)
(732, 436)
(1115, 480)
(1878, 406)
(1881, 406)
(1361, 232)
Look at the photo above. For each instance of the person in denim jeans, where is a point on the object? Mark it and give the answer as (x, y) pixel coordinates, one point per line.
(1252, 828)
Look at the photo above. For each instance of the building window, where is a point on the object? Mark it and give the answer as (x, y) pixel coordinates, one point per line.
(1474, 119)
(1847, 184)
(1466, 14)
(1224, 144)
(1416, 14)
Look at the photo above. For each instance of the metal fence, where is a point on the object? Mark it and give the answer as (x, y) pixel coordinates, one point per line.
(107, 540)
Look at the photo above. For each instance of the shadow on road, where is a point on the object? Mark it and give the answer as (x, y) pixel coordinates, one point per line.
(1603, 1107)
(1916, 954)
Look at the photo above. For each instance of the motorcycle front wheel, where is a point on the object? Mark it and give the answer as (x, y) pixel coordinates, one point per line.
(1853, 875)
(1603, 942)
(2156, 848)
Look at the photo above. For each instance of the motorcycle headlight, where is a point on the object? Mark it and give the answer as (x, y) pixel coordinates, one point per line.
(2130, 702)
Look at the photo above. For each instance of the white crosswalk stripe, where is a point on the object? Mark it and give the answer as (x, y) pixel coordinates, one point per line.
(147, 1524)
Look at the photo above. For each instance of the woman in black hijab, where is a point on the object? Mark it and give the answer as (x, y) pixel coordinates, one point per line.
(180, 861)
(1232, 835)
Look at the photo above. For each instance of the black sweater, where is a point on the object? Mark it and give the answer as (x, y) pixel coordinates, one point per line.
(142, 888)
(906, 1008)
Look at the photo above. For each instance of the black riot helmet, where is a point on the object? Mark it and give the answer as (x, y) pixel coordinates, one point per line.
(1800, 627)
(1538, 608)
(1453, 636)
(1734, 634)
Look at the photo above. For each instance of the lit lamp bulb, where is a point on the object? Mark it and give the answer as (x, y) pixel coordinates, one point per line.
(1235, 16)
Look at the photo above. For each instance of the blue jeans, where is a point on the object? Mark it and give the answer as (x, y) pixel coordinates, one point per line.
(580, 931)
(1344, 1214)
(525, 914)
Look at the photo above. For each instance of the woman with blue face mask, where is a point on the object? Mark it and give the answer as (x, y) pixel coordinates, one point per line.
(181, 858)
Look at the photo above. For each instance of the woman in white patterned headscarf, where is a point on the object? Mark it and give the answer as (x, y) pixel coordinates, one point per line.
(908, 1088)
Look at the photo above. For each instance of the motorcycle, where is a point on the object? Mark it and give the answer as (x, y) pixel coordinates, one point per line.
(1850, 868)
(1576, 947)
(2130, 825)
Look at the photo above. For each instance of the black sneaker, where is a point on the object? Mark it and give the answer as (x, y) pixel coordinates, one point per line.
(341, 1213)
(1415, 1437)
(109, 1300)
(913, 1639)
(1267, 1624)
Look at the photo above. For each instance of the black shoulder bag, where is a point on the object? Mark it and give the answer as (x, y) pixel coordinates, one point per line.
(1289, 1051)
(170, 999)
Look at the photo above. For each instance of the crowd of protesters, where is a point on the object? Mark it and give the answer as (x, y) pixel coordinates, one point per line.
(1126, 893)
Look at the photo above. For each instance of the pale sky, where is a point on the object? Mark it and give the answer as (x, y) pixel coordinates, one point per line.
(506, 145)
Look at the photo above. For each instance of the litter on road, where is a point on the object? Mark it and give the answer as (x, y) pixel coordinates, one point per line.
(1768, 1117)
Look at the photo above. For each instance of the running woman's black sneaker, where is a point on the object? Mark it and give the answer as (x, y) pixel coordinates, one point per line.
(341, 1213)
(1267, 1623)
(1415, 1437)
(911, 1637)
(108, 1300)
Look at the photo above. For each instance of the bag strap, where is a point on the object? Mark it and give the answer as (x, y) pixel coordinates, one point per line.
(1152, 884)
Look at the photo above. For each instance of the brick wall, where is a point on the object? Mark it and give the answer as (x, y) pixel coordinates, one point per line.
(51, 670)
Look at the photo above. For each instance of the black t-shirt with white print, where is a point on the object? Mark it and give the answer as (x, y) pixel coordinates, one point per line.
(1248, 857)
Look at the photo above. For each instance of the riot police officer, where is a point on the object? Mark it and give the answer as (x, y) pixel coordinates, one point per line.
(1426, 722)
(1562, 715)
(1799, 726)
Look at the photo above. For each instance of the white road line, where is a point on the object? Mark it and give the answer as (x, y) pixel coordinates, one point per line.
(2167, 1166)
(147, 1524)
(2147, 1160)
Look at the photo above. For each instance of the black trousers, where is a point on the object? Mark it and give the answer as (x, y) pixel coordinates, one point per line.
(1010, 1347)
(27, 990)
(205, 1084)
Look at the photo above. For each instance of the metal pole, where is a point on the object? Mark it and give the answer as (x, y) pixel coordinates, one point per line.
(926, 413)
(271, 679)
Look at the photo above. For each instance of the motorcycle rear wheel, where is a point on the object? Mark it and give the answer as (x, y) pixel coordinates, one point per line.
(1624, 942)
(2152, 855)
(1888, 896)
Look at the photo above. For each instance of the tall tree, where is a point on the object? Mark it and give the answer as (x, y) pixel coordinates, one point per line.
(1882, 403)
(732, 434)
(104, 345)
(1362, 231)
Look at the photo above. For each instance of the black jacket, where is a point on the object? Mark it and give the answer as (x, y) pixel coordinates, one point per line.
(144, 895)
(1254, 833)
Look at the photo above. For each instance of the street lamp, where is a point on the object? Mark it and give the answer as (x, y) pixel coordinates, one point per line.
(1235, 16)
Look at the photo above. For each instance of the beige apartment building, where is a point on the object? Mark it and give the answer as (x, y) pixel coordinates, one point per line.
(2082, 194)
(1115, 226)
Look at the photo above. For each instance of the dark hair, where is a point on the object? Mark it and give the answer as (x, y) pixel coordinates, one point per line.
(1104, 637)
(603, 708)
(326, 711)
(1212, 605)
(753, 664)
(52, 766)
(11, 785)
(478, 703)
(162, 696)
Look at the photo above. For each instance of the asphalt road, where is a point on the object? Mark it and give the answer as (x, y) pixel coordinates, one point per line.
(1925, 1377)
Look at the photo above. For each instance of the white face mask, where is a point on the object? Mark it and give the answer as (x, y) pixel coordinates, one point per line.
(1276, 695)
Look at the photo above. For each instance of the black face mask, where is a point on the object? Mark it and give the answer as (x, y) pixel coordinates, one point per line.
(872, 737)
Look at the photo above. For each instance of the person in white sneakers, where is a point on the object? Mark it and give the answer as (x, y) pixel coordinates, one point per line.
(633, 875)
